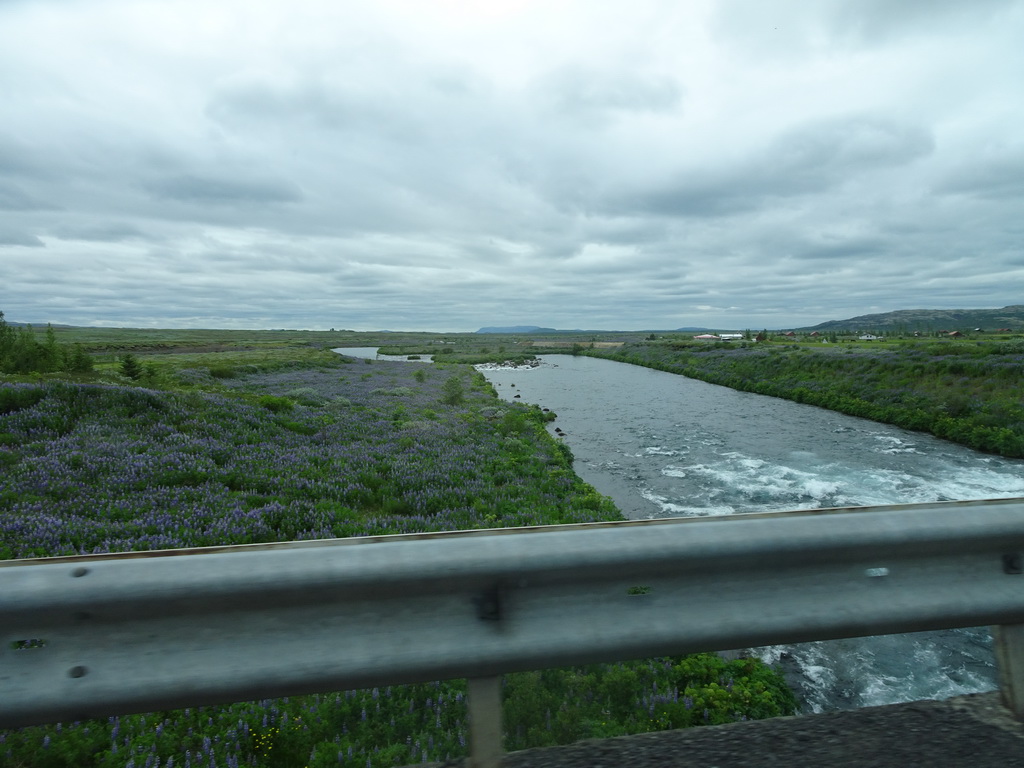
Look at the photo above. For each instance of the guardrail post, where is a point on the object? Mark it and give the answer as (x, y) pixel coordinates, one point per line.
(1009, 648)
(485, 730)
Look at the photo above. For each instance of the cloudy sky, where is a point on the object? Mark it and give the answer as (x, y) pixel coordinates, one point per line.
(450, 164)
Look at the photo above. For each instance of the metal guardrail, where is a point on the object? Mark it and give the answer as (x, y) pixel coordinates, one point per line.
(99, 635)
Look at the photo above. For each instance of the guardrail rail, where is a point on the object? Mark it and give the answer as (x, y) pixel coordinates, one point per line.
(99, 635)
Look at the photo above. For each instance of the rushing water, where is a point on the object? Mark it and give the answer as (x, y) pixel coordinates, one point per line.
(662, 445)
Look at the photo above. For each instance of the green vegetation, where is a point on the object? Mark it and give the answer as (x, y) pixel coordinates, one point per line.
(244, 443)
(402, 725)
(22, 352)
(552, 707)
(964, 391)
(933, 320)
(131, 367)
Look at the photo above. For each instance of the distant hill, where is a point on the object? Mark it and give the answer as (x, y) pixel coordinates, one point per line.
(37, 326)
(930, 320)
(539, 329)
(517, 329)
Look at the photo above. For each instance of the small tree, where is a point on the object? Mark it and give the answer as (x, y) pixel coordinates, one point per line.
(77, 360)
(453, 392)
(131, 367)
(52, 359)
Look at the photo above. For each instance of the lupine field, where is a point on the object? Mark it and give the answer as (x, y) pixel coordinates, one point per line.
(347, 449)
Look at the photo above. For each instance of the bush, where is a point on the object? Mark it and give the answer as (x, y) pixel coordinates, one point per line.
(453, 393)
(276, 404)
(16, 398)
(223, 372)
(306, 396)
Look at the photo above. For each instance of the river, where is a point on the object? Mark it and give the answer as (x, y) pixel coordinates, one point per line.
(663, 445)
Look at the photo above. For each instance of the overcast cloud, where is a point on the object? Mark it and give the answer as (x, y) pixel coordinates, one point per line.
(450, 164)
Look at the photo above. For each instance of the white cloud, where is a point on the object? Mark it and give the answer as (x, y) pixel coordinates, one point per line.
(453, 164)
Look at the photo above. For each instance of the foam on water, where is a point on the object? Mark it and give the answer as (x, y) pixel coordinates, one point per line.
(890, 444)
(873, 671)
(755, 484)
(668, 509)
(658, 450)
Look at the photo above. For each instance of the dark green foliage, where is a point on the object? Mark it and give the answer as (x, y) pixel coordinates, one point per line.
(453, 393)
(78, 360)
(131, 367)
(15, 398)
(223, 372)
(21, 352)
(298, 427)
(276, 404)
(559, 706)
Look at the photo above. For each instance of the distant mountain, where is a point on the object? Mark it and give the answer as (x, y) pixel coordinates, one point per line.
(930, 320)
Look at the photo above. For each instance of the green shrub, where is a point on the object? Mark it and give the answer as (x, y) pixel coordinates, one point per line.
(298, 427)
(223, 372)
(306, 396)
(453, 393)
(276, 404)
(16, 398)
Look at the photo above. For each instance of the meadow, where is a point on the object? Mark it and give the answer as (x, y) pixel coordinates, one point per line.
(241, 445)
